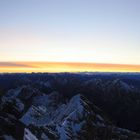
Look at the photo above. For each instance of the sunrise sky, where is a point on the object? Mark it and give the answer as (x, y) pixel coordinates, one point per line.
(69, 35)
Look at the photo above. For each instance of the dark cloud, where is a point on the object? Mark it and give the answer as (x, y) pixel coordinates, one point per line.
(13, 64)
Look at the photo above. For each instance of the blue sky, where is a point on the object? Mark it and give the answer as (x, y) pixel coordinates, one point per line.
(98, 31)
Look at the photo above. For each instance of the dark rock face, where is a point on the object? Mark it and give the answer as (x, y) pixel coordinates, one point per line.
(50, 106)
(119, 99)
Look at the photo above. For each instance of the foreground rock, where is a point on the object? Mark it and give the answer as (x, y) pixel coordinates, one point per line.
(77, 119)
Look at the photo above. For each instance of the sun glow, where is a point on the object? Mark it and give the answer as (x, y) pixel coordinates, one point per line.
(65, 67)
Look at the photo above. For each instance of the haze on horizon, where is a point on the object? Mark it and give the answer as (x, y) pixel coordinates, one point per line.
(75, 31)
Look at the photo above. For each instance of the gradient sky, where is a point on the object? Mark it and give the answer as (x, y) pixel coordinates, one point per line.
(93, 31)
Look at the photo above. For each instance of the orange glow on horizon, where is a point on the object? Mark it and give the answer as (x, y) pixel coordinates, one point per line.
(65, 67)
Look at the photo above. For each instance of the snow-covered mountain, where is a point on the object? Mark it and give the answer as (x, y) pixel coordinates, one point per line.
(78, 119)
(70, 107)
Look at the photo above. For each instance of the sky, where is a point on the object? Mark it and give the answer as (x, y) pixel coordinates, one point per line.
(70, 31)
